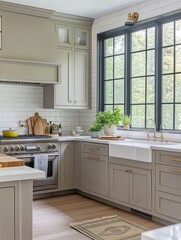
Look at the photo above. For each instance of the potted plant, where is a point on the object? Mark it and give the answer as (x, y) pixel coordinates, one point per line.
(126, 121)
(95, 129)
(109, 120)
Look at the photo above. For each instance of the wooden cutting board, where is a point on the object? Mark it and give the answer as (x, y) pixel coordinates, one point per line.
(7, 161)
(39, 127)
(111, 138)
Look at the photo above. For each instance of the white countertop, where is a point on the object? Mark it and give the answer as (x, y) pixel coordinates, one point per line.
(8, 174)
(172, 232)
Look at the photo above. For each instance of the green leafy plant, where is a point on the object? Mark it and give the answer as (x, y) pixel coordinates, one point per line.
(95, 127)
(55, 127)
(126, 120)
(109, 118)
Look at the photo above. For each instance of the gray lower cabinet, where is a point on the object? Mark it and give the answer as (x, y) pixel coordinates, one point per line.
(168, 187)
(130, 186)
(7, 213)
(94, 169)
(66, 165)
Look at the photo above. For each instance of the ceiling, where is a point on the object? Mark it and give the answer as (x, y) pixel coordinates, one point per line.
(86, 8)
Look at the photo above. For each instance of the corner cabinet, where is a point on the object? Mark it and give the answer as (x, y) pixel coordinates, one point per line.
(66, 165)
(73, 45)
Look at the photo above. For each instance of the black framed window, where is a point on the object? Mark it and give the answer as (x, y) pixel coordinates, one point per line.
(140, 72)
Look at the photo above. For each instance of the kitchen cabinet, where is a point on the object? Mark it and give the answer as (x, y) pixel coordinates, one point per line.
(66, 165)
(77, 165)
(94, 169)
(73, 90)
(130, 186)
(168, 188)
(7, 213)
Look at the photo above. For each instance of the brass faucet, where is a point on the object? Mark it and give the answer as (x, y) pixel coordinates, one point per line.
(154, 137)
(162, 139)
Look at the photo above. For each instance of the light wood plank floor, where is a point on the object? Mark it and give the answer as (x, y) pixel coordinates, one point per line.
(51, 216)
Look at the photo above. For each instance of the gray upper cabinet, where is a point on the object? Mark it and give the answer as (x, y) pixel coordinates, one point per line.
(73, 45)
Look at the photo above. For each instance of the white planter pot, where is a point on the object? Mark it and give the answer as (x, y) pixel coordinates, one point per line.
(95, 134)
(110, 131)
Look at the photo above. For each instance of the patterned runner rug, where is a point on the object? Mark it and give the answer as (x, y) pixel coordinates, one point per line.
(110, 228)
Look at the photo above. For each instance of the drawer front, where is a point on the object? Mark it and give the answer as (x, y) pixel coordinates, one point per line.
(94, 157)
(168, 179)
(168, 205)
(102, 149)
(171, 158)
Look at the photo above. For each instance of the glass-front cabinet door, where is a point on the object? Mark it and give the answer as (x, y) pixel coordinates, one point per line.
(64, 35)
(81, 37)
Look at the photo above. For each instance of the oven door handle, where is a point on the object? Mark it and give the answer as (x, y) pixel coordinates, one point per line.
(32, 156)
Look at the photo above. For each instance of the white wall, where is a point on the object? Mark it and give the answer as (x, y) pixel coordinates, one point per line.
(19, 102)
(146, 9)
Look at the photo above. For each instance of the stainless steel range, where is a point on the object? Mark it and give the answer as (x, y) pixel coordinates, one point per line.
(26, 147)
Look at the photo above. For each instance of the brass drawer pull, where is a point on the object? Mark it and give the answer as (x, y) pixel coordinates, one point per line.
(93, 157)
(175, 170)
(93, 149)
(175, 159)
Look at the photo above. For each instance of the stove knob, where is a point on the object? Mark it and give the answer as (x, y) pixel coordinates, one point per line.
(49, 146)
(17, 148)
(22, 148)
(38, 148)
(12, 148)
(6, 149)
(54, 145)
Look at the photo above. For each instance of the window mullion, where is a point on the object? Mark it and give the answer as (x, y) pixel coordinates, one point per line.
(158, 76)
(127, 96)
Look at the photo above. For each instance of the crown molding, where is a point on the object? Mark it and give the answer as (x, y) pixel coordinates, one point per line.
(25, 10)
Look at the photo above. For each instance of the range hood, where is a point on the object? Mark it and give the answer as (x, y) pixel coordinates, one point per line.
(29, 72)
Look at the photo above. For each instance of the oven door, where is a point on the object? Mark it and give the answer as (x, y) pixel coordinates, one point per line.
(51, 181)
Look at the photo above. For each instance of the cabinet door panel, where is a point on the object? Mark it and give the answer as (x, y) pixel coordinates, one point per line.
(66, 166)
(94, 174)
(63, 92)
(81, 74)
(7, 219)
(140, 188)
(119, 183)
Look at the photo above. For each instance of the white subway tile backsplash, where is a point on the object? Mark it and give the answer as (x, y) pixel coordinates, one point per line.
(19, 102)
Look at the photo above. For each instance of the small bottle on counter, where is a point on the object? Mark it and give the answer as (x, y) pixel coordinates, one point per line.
(50, 127)
(60, 130)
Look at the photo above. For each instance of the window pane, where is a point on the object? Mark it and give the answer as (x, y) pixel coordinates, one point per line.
(167, 112)
(178, 31)
(178, 116)
(119, 45)
(150, 114)
(109, 47)
(119, 91)
(168, 34)
(138, 90)
(138, 116)
(138, 40)
(138, 64)
(167, 88)
(108, 108)
(109, 68)
(108, 92)
(151, 38)
(168, 60)
(150, 90)
(178, 88)
(151, 62)
(120, 107)
(119, 66)
(178, 58)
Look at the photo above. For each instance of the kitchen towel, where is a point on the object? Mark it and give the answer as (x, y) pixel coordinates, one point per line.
(41, 162)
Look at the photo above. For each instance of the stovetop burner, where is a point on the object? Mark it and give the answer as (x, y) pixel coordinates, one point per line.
(25, 137)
